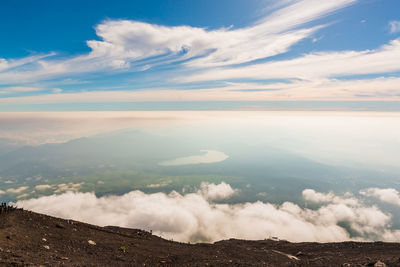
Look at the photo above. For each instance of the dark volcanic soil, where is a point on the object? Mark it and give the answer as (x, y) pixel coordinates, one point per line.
(31, 239)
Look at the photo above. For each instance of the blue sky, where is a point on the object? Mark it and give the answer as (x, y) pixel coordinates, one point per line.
(77, 52)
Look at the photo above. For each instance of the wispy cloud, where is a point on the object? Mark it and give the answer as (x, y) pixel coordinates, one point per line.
(7, 65)
(130, 45)
(18, 89)
(224, 64)
(315, 65)
(394, 26)
(381, 88)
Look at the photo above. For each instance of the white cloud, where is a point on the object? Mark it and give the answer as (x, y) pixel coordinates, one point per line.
(192, 217)
(313, 196)
(43, 187)
(131, 40)
(60, 188)
(67, 187)
(216, 191)
(205, 54)
(161, 184)
(388, 195)
(3, 64)
(17, 190)
(300, 12)
(374, 89)
(18, 89)
(316, 197)
(125, 42)
(2, 192)
(394, 26)
(157, 185)
(23, 196)
(14, 63)
(313, 66)
(57, 90)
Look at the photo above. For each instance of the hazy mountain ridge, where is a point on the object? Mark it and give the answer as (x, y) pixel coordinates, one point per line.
(265, 168)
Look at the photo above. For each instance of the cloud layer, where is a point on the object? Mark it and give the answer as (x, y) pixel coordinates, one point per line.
(388, 195)
(195, 217)
(316, 65)
(222, 64)
(124, 42)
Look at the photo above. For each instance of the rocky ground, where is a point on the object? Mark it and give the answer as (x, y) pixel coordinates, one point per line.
(31, 239)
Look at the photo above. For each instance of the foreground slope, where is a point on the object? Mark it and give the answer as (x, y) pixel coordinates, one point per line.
(28, 238)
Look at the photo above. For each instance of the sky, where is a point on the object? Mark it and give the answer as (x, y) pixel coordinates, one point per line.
(70, 54)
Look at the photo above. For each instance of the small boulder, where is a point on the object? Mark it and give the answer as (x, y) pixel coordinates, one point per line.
(91, 242)
(46, 247)
(60, 225)
(379, 264)
(300, 254)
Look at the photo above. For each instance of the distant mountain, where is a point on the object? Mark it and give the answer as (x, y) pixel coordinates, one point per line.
(126, 150)
(279, 173)
(8, 145)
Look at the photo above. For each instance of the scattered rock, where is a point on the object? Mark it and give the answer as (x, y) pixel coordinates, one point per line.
(91, 242)
(44, 239)
(300, 254)
(379, 264)
(60, 225)
(46, 247)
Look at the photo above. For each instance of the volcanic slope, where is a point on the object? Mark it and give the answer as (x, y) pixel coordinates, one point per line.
(32, 239)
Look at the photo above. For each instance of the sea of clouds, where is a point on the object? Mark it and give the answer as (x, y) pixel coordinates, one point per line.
(200, 216)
